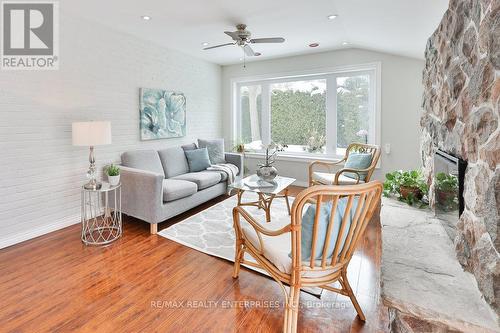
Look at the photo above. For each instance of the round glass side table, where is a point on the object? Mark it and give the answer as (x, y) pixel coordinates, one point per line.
(101, 214)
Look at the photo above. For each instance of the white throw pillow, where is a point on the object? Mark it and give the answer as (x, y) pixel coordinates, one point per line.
(215, 149)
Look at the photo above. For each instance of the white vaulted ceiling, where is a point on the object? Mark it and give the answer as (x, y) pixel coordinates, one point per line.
(394, 26)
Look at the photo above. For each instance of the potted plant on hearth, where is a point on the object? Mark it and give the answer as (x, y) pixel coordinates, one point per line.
(113, 173)
(408, 186)
(446, 189)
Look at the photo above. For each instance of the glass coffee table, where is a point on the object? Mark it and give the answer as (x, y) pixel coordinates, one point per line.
(266, 194)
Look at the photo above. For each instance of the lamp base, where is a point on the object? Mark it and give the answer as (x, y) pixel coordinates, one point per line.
(92, 185)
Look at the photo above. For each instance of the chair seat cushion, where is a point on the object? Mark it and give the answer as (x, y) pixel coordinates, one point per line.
(174, 189)
(277, 250)
(202, 179)
(328, 178)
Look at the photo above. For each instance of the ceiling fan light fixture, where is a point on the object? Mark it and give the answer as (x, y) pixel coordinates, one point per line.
(146, 17)
(314, 45)
(332, 16)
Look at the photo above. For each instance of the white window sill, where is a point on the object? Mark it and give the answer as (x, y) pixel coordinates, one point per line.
(299, 158)
(294, 158)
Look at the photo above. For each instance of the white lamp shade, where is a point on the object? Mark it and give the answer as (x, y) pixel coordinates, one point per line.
(91, 133)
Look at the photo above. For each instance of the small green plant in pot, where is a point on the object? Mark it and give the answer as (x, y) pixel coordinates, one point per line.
(408, 186)
(113, 172)
(446, 190)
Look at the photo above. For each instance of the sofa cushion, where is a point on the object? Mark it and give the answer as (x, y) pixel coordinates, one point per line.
(147, 160)
(215, 149)
(174, 189)
(197, 159)
(202, 179)
(189, 146)
(174, 161)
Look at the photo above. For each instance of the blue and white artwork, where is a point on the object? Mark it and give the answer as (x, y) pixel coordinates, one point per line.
(163, 114)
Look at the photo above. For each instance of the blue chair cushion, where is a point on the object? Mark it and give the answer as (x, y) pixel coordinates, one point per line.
(323, 222)
(357, 161)
(198, 159)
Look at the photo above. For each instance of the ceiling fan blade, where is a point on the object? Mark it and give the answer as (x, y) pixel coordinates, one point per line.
(268, 40)
(221, 45)
(248, 50)
(233, 35)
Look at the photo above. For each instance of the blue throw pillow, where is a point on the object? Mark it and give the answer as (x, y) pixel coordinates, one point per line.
(323, 222)
(357, 161)
(198, 159)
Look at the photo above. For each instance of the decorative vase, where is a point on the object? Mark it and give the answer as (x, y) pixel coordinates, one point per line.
(267, 172)
(114, 180)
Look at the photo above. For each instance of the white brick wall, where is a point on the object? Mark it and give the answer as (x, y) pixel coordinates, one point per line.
(100, 74)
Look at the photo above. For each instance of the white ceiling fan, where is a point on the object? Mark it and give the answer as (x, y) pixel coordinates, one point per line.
(241, 37)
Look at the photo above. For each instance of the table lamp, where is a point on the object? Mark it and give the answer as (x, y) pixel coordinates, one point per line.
(90, 134)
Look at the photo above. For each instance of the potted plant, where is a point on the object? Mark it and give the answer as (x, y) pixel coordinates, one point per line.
(267, 171)
(409, 186)
(446, 188)
(239, 147)
(316, 142)
(113, 172)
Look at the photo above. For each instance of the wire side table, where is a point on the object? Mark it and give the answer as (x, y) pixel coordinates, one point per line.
(101, 215)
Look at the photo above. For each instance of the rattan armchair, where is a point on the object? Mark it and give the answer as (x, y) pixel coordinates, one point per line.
(339, 177)
(279, 251)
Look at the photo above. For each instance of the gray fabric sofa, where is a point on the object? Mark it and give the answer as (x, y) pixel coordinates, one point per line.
(157, 185)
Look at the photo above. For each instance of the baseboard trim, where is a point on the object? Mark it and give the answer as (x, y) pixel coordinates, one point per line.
(39, 231)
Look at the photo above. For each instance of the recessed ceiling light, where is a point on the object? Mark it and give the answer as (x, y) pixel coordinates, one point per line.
(204, 44)
(345, 43)
(332, 16)
(314, 45)
(241, 59)
(146, 17)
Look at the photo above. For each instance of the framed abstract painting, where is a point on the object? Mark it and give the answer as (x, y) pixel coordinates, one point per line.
(162, 114)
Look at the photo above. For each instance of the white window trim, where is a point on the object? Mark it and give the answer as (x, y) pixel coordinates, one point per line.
(375, 101)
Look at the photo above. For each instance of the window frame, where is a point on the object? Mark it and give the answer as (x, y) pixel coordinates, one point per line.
(328, 74)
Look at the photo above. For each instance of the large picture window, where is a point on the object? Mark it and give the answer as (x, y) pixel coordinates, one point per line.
(312, 114)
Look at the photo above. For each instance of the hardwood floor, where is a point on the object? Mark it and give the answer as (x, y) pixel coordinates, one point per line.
(146, 283)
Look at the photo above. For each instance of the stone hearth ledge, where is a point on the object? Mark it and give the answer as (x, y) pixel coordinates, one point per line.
(423, 284)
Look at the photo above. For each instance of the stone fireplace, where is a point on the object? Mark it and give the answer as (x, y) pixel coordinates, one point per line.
(461, 118)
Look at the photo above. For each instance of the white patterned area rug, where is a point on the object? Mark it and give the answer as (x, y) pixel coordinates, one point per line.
(211, 231)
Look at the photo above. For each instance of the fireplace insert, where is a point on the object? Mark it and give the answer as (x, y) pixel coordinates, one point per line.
(449, 174)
